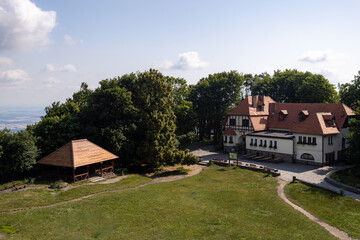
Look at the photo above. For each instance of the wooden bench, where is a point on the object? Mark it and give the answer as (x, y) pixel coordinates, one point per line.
(19, 187)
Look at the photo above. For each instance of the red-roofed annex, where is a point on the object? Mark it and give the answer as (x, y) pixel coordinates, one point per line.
(317, 130)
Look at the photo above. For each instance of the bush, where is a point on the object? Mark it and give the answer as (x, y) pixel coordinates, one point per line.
(58, 184)
(187, 139)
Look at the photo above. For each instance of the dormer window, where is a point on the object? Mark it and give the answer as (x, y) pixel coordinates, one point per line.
(303, 115)
(283, 114)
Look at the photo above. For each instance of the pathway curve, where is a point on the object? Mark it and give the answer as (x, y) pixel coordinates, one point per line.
(333, 230)
(195, 171)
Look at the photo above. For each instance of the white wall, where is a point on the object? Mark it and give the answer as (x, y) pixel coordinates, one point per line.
(284, 146)
(337, 143)
(314, 150)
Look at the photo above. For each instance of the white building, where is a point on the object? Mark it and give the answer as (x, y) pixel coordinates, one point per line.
(296, 132)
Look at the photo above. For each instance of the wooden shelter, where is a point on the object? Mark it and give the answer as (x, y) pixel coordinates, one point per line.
(76, 160)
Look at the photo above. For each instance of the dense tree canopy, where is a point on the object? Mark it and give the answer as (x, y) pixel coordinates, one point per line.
(293, 86)
(213, 97)
(131, 116)
(350, 92)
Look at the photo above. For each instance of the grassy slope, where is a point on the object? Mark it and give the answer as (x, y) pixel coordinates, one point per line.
(340, 212)
(41, 197)
(220, 203)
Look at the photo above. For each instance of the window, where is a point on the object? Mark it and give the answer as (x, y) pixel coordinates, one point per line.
(255, 144)
(245, 122)
(314, 140)
(330, 140)
(307, 156)
(232, 122)
(343, 143)
(264, 143)
(275, 144)
(270, 146)
(260, 143)
(300, 139)
(225, 139)
(231, 139)
(304, 139)
(309, 140)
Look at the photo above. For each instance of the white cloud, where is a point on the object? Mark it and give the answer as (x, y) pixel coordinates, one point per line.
(186, 61)
(24, 25)
(5, 62)
(51, 80)
(320, 56)
(70, 41)
(13, 77)
(65, 68)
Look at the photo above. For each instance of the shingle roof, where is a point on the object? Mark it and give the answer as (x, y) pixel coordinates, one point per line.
(77, 153)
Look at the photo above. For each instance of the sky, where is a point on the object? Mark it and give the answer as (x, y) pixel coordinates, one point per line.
(49, 47)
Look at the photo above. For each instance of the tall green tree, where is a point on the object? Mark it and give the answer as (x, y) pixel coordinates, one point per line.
(293, 86)
(350, 92)
(353, 151)
(18, 154)
(183, 107)
(156, 119)
(213, 97)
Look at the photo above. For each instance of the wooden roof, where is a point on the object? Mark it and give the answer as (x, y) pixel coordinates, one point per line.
(77, 153)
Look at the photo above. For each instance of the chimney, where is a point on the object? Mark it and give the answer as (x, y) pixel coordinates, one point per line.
(272, 108)
(254, 101)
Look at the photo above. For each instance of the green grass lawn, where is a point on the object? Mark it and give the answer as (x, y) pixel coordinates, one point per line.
(219, 203)
(338, 211)
(41, 197)
(350, 176)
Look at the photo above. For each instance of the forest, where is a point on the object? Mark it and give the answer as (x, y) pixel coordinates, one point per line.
(148, 119)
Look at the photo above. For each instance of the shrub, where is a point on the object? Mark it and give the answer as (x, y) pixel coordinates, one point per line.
(7, 229)
(58, 184)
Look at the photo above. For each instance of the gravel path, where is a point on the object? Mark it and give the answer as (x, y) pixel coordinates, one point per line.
(333, 230)
(196, 170)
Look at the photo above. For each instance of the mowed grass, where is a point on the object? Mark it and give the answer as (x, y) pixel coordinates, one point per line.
(338, 211)
(219, 203)
(43, 197)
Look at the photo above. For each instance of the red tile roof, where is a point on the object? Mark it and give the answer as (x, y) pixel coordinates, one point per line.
(246, 108)
(229, 132)
(318, 118)
(315, 122)
(259, 122)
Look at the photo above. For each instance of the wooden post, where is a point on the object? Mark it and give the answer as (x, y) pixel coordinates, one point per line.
(74, 174)
(101, 169)
(57, 172)
(112, 161)
(88, 175)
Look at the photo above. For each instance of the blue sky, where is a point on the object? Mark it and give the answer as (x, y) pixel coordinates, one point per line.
(48, 47)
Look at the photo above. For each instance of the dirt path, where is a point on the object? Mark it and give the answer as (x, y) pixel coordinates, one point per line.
(196, 170)
(333, 230)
